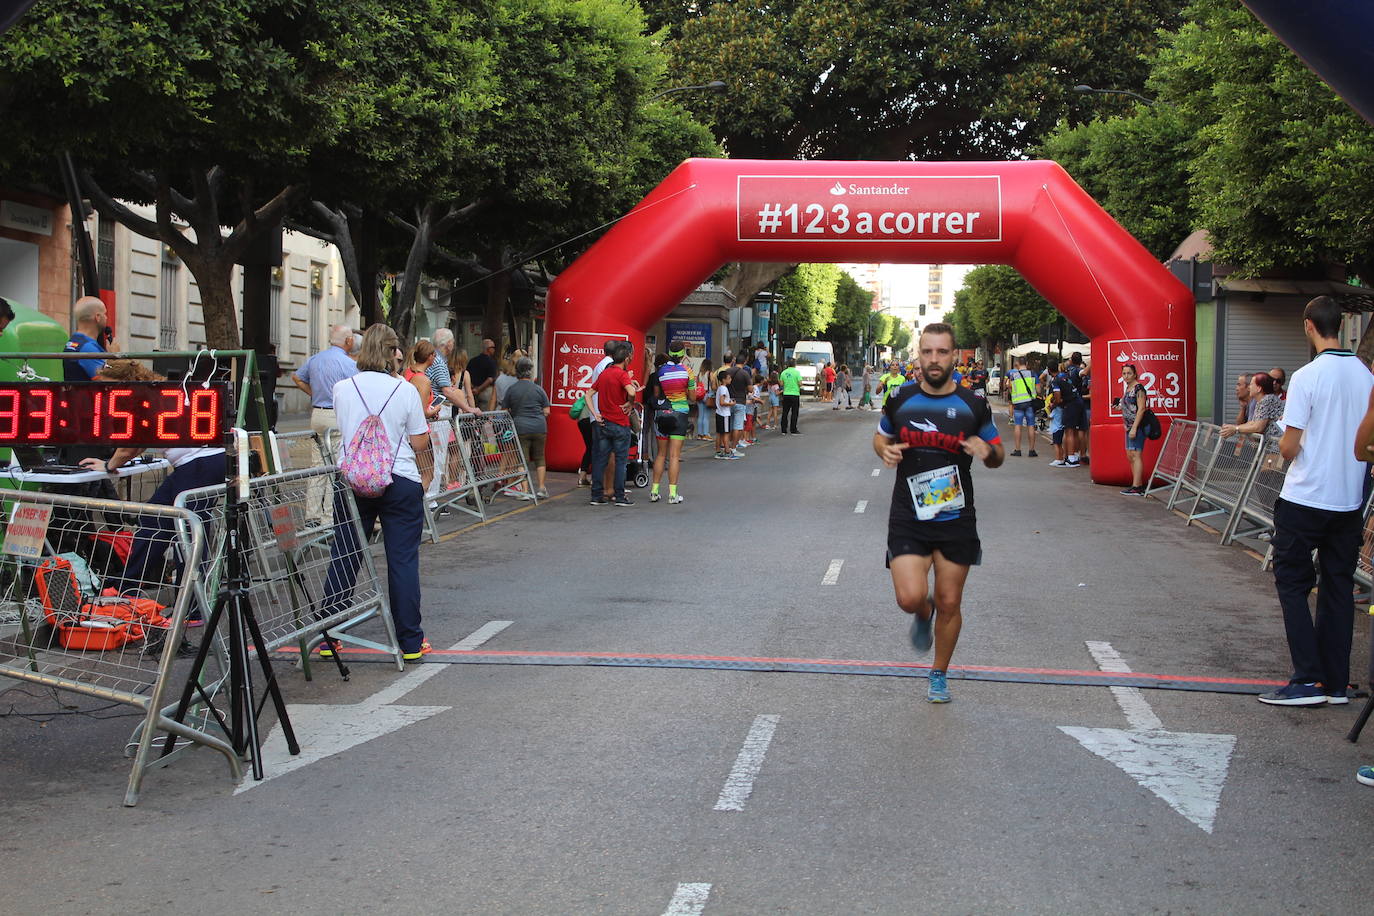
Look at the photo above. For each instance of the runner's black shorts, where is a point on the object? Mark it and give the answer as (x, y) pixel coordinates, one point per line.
(924, 538)
(1075, 414)
(671, 427)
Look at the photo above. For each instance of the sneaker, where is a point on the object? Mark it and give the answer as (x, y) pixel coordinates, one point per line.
(653, 497)
(1016, 453)
(328, 651)
(939, 687)
(921, 630)
(1365, 775)
(1073, 464)
(598, 501)
(1336, 697)
(734, 454)
(1056, 463)
(418, 654)
(1133, 491)
(1295, 695)
(624, 501)
(675, 499)
(1032, 454)
(542, 493)
(195, 619)
(743, 443)
(722, 455)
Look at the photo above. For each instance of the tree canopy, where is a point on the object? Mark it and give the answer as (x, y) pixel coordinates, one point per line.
(1000, 304)
(1245, 142)
(806, 298)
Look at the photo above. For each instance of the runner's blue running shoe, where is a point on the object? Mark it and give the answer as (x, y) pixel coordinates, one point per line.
(939, 687)
(1365, 775)
(921, 630)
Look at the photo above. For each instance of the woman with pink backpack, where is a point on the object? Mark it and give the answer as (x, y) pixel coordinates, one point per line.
(386, 458)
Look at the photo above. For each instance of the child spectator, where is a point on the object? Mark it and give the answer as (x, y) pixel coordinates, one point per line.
(724, 405)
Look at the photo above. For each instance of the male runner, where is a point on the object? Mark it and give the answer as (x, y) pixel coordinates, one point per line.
(678, 385)
(931, 431)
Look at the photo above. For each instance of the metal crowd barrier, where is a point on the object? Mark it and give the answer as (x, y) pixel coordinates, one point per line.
(1223, 486)
(291, 558)
(453, 488)
(1173, 457)
(298, 451)
(1255, 517)
(495, 461)
(1206, 441)
(87, 608)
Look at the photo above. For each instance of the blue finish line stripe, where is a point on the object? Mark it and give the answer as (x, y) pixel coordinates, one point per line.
(1053, 676)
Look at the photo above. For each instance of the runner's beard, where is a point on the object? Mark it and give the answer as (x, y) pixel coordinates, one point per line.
(935, 373)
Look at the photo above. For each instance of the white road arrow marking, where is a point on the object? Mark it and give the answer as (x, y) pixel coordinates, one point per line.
(325, 730)
(1186, 770)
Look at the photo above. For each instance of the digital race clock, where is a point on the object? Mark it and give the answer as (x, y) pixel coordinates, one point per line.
(112, 413)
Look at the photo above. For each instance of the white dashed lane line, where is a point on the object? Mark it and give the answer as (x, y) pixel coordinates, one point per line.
(863, 504)
(688, 900)
(832, 575)
(740, 784)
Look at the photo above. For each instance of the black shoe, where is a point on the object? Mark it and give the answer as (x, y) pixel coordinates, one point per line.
(598, 501)
(623, 501)
(1016, 453)
(1031, 454)
(1295, 695)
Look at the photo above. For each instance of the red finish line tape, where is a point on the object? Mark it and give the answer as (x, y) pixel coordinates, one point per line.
(1052, 676)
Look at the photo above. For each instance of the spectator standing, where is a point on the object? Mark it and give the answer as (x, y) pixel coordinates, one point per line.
(1022, 387)
(614, 391)
(724, 413)
(375, 389)
(774, 400)
(89, 337)
(507, 376)
(761, 359)
(790, 380)
(866, 392)
(829, 369)
(608, 478)
(705, 405)
(1067, 397)
(740, 380)
(1319, 509)
(529, 409)
(483, 370)
(1133, 404)
(317, 378)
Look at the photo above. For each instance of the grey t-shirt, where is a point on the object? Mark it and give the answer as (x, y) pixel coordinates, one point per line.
(526, 402)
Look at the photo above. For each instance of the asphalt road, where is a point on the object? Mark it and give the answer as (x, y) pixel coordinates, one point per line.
(566, 788)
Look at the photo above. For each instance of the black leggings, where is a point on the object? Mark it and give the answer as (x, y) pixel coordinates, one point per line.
(584, 426)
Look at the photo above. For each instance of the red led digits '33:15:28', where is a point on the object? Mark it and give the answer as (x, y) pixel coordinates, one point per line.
(111, 413)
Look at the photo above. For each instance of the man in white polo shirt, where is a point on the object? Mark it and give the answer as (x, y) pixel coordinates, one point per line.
(1319, 509)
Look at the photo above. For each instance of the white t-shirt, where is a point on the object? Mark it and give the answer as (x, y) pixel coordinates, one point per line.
(1327, 399)
(176, 457)
(723, 406)
(402, 417)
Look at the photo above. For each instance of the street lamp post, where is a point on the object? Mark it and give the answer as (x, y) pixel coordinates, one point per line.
(713, 86)
(1135, 95)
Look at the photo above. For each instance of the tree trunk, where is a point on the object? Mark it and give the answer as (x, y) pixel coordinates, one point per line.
(498, 292)
(746, 280)
(402, 316)
(214, 277)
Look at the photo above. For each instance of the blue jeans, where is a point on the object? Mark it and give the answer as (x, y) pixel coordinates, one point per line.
(400, 508)
(704, 415)
(156, 532)
(1024, 414)
(614, 438)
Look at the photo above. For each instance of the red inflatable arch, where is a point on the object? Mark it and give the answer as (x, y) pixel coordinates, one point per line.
(1030, 215)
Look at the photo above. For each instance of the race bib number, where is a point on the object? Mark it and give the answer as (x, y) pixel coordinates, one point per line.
(933, 492)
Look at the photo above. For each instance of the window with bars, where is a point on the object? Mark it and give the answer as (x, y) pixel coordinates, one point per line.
(105, 252)
(169, 302)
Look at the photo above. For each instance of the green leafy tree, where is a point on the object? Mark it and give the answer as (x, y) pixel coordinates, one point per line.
(961, 319)
(806, 298)
(853, 305)
(899, 79)
(1000, 304)
(217, 114)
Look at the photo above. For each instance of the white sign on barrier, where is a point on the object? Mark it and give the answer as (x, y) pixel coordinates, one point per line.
(27, 530)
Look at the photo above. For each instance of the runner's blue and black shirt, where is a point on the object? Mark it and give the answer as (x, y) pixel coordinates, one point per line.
(935, 428)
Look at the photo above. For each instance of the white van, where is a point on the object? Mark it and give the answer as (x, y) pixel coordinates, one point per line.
(809, 354)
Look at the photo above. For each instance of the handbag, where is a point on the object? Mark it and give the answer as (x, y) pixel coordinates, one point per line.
(578, 407)
(1150, 425)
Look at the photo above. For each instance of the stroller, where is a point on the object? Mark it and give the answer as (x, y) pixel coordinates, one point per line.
(641, 458)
